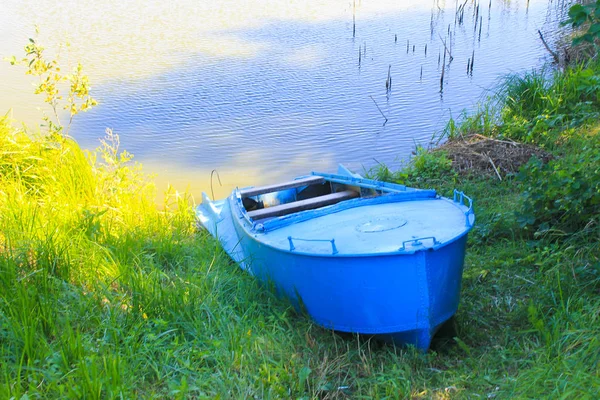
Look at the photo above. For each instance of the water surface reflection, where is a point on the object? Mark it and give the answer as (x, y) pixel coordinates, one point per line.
(267, 90)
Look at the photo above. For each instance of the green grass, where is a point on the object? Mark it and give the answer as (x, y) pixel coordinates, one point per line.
(104, 295)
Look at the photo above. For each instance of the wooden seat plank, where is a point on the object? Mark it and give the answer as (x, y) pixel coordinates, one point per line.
(308, 204)
(254, 191)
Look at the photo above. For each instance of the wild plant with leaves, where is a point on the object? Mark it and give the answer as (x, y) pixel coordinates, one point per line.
(63, 92)
(587, 17)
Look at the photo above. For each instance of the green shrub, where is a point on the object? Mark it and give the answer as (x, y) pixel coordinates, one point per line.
(565, 193)
(588, 16)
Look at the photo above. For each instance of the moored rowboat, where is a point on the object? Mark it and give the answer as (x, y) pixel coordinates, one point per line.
(360, 255)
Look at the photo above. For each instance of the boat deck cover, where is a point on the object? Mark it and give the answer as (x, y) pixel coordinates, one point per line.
(374, 229)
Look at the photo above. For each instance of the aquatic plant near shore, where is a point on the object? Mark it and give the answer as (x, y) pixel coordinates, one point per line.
(539, 103)
(531, 107)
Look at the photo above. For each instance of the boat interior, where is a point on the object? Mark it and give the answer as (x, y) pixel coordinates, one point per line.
(299, 195)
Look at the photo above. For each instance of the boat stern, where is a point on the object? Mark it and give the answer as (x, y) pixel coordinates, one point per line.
(216, 218)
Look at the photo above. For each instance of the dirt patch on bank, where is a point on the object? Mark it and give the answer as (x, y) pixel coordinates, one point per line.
(486, 156)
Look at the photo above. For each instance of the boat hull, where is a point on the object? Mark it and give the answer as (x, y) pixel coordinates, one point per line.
(389, 265)
(402, 298)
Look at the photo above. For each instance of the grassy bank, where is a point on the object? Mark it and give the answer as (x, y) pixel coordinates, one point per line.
(103, 295)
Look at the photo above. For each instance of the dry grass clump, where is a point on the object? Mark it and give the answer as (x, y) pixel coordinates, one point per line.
(481, 155)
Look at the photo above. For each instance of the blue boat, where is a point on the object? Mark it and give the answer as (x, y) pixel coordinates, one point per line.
(358, 255)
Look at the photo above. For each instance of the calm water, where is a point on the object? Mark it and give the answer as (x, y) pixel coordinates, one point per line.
(264, 90)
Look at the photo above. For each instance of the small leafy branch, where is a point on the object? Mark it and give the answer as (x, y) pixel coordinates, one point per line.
(51, 85)
(587, 15)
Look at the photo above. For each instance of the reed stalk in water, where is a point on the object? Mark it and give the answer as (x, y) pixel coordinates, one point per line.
(388, 81)
(381, 112)
(443, 72)
(359, 55)
(446, 50)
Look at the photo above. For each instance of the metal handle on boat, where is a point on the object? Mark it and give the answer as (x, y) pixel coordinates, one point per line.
(418, 241)
(334, 249)
(459, 197)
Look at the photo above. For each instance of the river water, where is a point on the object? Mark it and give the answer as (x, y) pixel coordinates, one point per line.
(264, 90)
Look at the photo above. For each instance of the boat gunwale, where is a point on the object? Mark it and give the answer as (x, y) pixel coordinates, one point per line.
(363, 183)
(253, 235)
